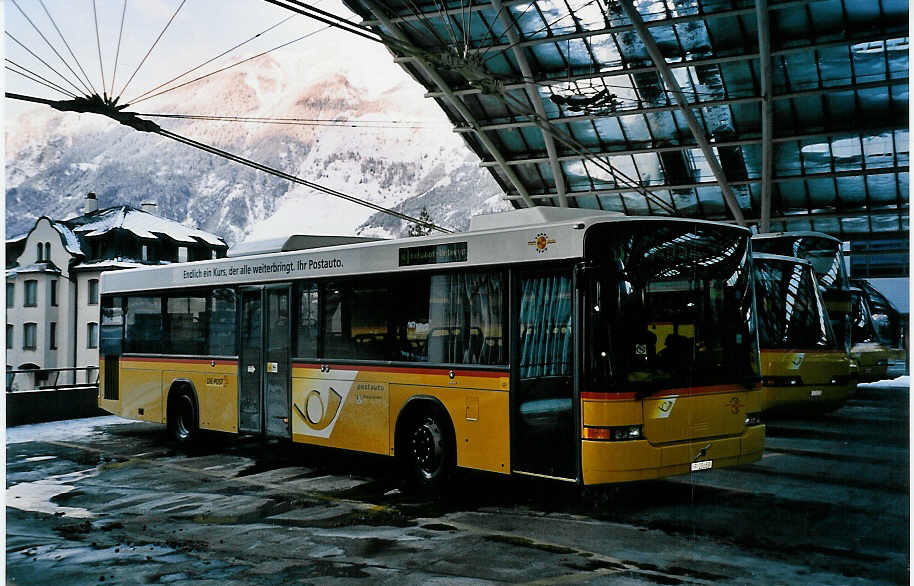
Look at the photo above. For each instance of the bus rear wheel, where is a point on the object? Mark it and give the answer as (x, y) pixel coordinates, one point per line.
(182, 418)
(427, 456)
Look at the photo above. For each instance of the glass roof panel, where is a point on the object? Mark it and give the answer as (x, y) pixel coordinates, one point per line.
(882, 189)
(792, 196)
(851, 192)
(712, 202)
(827, 225)
(821, 193)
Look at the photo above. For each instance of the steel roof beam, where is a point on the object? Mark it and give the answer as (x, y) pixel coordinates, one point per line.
(764, 43)
(707, 104)
(588, 33)
(673, 86)
(456, 103)
(535, 99)
(682, 147)
(683, 186)
(624, 71)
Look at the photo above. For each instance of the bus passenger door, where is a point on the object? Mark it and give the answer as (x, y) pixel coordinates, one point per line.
(544, 433)
(250, 393)
(264, 401)
(277, 374)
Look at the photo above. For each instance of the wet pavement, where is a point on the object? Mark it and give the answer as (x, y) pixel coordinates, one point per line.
(102, 501)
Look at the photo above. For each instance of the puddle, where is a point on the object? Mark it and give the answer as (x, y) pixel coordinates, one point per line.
(37, 496)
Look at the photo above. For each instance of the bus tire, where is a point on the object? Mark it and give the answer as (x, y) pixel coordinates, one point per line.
(183, 419)
(426, 450)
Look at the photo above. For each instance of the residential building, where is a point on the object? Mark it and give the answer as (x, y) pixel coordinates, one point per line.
(52, 280)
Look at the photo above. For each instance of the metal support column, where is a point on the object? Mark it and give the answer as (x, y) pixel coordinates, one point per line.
(764, 43)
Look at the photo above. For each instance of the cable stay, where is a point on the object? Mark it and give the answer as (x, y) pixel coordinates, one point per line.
(106, 107)
(196, 79)
(207, 62)
(156, 42)
(67, 45)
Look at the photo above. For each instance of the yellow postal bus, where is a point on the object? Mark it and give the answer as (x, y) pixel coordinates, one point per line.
(570, 344)
(804, 366)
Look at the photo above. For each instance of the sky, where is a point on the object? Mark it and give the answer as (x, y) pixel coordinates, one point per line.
(201, 30)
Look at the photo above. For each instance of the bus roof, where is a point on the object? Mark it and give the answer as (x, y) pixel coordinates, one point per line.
(798, 234)
(527, 243)
(780, 258)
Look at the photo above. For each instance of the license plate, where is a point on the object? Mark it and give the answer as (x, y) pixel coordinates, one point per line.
(705, 465)
(816, 393)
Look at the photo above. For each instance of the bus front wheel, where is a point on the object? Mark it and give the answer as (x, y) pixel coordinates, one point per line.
(182, 417)
(427, 451)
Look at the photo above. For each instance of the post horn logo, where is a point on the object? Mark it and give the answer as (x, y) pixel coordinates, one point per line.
(317, 416)
(541, 242)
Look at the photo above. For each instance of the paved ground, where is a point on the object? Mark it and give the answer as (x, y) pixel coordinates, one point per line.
(828, 504)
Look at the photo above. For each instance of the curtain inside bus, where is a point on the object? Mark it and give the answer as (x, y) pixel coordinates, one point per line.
(546, 340)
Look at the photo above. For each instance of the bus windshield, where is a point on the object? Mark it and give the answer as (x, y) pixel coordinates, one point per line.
(670, 306)
(791, 313)
(823, 253)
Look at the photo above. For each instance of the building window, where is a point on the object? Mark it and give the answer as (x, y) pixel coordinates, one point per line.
(31, 293)
(54, 293)
(40, 252)
(10, 294)
(29, 336)
(47, 251)
(9, 337)
(93, 291)
(52, 336)
(182, 254)
(92, 336)
(144, 252)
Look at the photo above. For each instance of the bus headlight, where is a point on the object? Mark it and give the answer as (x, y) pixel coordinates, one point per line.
(753, 418)
(781, 381)
(615, 434)
(841, 379)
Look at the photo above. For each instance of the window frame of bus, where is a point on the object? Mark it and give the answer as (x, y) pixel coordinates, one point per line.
(399, 281)
(163, 296)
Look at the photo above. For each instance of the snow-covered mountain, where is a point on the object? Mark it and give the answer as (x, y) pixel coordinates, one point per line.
(54, 158)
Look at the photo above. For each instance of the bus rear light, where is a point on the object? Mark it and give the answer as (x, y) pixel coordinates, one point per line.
(841, 379)
(753, 418)
(781, 381)
(615, 434)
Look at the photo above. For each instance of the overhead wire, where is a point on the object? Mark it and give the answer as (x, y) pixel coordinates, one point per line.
(207, 62)
(45, 63)
(117, 54)
(67, 45)
(298, 180)
(326, 122)
(45, 39)
(98, 43)
(46, 83)
(156, 42)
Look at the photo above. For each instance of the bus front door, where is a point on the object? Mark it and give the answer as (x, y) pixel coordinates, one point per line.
(543, 411)
(264, 399)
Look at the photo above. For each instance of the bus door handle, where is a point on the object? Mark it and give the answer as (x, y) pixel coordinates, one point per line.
(251, 369)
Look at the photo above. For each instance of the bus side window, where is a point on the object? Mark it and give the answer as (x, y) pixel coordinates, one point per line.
(112, 326)
(144, 325)
(308, 322)
(221, 314)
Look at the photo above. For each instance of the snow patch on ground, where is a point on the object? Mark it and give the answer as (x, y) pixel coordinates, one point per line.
(900, 382)
(61, 430)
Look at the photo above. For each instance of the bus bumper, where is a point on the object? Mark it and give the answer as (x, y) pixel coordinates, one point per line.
(805, 398)
(604, 462)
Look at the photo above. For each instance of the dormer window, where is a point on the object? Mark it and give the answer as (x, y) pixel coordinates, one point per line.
(144, 253)
(40, 252)
(182, 254)
(47, 251)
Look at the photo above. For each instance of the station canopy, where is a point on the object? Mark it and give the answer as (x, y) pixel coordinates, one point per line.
(566, 104)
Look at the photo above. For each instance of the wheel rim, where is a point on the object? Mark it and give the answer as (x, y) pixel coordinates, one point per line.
(427, 447)
(184, 413)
